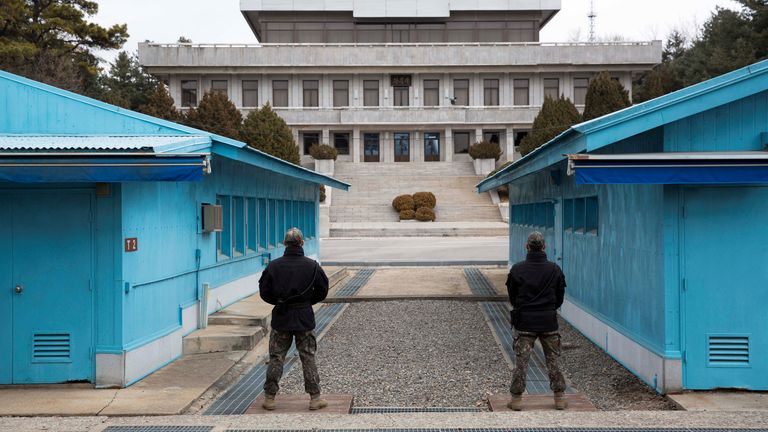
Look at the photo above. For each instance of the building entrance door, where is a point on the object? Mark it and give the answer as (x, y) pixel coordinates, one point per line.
(51, 314)
(6, 290)
(431, 147)
(402, 147)
(725, 288)
(371, 147)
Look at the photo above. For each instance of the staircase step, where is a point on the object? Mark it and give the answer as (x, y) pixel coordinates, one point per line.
(222, 338)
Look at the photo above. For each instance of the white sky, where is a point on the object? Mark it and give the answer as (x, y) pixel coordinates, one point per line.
(220, 21)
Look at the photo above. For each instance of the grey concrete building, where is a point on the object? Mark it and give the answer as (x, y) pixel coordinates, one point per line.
(397, 80)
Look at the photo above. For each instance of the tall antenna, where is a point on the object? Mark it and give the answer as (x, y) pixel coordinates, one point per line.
(592, 15)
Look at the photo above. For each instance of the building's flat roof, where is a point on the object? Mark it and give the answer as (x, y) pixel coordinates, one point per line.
(398, 8)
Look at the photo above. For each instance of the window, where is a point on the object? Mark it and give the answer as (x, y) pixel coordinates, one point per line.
(340, 32)
(461, 142)
(188, 93)
(492, 137)
(310, 139)
(310, 214)
(238, 224)
(521, 31)
(491, 92)
(568, 215)
(592, 220)
(539, 215)
(263, 224)
(522, 92)
(251, 225)
(280, 93)
(431, 147)
(311, 93)
(401, 96)
(460, 31)
(278, 32)
(341, 93)
(250, 93)
(430, 32)
(580, 86)
(431, 92)
(461, 92)
(520, 136)
(578, 215)
(307, 32)
(224, 237)
(490, 31)
(551, 88)
(371, 93)
(278, 221)
(220, 86)
(341, 143)
(401, 33)
(402, 147)
(371, 33)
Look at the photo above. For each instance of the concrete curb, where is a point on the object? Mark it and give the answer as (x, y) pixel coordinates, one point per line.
(466, 298)
(416, 263)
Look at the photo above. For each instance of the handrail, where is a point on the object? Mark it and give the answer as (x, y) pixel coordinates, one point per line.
(419, 44)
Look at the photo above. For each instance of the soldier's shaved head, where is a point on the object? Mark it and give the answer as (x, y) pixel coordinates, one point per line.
(294, 237)
(535, 242)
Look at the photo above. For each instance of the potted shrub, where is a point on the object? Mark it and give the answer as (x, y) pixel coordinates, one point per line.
(484, 155)
(405, 207)
(424, 199)
(324, 156)
(425, 214)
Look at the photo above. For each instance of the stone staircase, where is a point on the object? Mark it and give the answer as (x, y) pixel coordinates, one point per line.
(366, 210)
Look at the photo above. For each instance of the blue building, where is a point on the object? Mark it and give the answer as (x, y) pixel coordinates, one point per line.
(103, 247)
(657, 214)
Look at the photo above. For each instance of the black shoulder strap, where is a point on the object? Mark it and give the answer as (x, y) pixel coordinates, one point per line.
(311, 284)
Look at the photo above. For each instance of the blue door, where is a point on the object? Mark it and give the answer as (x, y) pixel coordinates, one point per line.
(725, 288)
(6, 291)
(51, 287)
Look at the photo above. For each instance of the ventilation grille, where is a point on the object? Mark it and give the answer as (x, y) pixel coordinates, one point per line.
(729, 351)
(51, 348)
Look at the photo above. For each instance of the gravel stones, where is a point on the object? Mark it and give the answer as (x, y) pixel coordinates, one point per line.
(409, 354)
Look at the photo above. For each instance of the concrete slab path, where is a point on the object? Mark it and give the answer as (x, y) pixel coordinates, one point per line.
(410, 251)
(722, 401)
(399, 282)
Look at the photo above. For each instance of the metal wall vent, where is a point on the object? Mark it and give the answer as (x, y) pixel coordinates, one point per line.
(728, 350)
(51, 348)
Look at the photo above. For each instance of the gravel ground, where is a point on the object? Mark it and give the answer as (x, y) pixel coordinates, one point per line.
(411, 353)
(604, 381)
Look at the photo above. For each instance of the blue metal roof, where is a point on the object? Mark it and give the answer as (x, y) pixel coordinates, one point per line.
(614, 127)
(109, 120)
(151, 143)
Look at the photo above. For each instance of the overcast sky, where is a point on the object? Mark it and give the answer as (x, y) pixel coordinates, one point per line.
(220, 21)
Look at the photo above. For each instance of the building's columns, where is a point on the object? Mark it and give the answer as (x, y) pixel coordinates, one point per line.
(510, 141)
(448, 147)
(478, 135)
(326, 138)
(356, 146)
(506, 89)
(477, 90)
(415, 99)
(356, 91)
(417, 148)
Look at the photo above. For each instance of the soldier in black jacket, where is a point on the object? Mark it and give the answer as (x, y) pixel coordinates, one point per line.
(536, 289)
(293, 283)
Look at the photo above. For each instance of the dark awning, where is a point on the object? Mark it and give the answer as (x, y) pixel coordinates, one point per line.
(670, 168)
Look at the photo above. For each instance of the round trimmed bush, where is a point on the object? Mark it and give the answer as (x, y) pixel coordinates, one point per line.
(424, 199)
(407, 215)
(323, 152)
(425, 214)
(322, 193)
(485, 150)
(403, 202)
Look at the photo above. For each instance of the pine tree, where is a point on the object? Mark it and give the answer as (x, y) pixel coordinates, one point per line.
(127, 84)
(160, 104)
(216, 114)
(264, 130)
(604, 96)
(556, 116)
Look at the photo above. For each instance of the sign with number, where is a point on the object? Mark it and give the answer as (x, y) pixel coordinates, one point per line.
(131, 244)
(401, 80)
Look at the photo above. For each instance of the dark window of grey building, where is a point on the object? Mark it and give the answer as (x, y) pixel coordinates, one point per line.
(431, 92)
(580, 86)
(400, 96)
(340, 93)
(551, 88)
(280, 93)
(401, 33)
(279, 32)
(522, 31)
(311, 93)
(250, 93)
(430, 32)
(492, 137)
(491, 92)
(371, 33)
(460, 31)
(520, 135)
(522, 91)
(461, 92)
(188, 93)
(491, 31)
(309, 32)
(461, 142)
(310, 139)
(371, 93)
(340, 32)
(341, 143)
(220, 86)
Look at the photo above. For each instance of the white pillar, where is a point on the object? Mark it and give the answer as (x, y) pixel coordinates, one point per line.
(356, 146)
(448, 147)
(326, 138)
(510, 147)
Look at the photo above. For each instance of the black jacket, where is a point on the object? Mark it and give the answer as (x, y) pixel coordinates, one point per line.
(536, 289)
(293, 283)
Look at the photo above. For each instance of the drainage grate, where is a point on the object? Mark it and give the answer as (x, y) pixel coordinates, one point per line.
(244, 392)
(397, 410)
(358, 281)
(632, 429)
(159, 429)
(478, 283)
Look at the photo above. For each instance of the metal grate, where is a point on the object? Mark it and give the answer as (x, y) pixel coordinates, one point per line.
(728, 350)
(358, 281)
(51, 347)
(478, 283)
(159, 429)
(398, 410)
(533, 429)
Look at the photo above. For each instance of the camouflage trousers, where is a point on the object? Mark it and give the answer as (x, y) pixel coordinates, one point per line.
(279, 344)
(524, 343)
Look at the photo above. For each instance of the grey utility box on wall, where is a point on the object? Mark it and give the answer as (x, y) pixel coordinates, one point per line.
(213, 218)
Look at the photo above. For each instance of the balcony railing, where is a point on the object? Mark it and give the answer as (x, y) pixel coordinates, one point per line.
(401, 44)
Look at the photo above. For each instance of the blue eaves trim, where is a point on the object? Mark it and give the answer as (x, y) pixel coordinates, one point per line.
(614, 127)
(248, 154)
